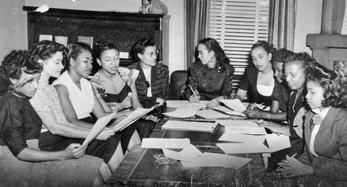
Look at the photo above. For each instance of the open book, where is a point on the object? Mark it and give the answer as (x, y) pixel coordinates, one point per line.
(134, 116)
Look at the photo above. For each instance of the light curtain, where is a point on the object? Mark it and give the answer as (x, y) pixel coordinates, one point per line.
(282, 23)
(197, 14)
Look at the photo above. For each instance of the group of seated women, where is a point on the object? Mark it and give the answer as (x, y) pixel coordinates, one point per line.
(43, 125)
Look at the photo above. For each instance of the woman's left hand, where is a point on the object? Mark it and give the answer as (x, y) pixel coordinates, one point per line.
(255, 113)
(212, 103)
(292, 167)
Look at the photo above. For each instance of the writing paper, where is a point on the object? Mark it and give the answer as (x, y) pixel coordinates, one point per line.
(234, 148)
(234, 104)
(277, 142)
(180, 103)
(228, 111)
(211, 114)
(189, 125)
(159, 143)
(188, 154)
(97, 128)
(183, 112)
(241, 138)
(245, 130)
(134, 116)
(243, 123)
(277, 128)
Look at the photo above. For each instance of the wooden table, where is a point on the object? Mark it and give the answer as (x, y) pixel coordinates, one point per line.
(139, 167)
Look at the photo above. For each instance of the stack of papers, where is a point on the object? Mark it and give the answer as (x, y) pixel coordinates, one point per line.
(190, 126)
(192, 157)
(234, 104)
(183, 112)
(133, 117)
(226, 110)
(180, 103)
(211, 114)
(159, 143)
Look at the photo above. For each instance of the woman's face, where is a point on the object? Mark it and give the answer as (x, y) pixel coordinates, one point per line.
(149, 56)
(109, 60)
(295, 75)
(83, 64)
(314, 95)
(28, 82)
(279, 75)
(205, 55)
(261, 58)
(53, 66)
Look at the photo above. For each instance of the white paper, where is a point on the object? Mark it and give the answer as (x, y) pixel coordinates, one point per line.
(243, 123)
(134, 116)
(228, 111)
(183, 103)
(188, 154)
(211, 114)
(277, 128)
(183, 112)
(277, 142)
(234, 104)
(241, 138)
(245, 130)
(159, 143)
(189, 125)
(42, 8)
(97, 128)
(234, 148)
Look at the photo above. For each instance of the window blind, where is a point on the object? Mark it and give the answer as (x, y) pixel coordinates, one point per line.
(237, 25)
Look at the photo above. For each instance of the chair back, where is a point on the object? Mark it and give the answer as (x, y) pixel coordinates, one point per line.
(178, 83)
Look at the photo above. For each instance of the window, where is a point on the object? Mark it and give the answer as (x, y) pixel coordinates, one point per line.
(237, 25)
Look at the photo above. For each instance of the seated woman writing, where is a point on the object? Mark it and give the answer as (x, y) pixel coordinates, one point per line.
(211, 77)
(22, 162)
(116, 85)
(152, 84)
(77, 96)
(59, 132)
(325, 131)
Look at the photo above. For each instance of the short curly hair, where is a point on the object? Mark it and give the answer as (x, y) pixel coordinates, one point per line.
(303, 59)
(281, 55)
(139, 47)
(16, 62)
(269, 48)
(335, 89)
(45, 49)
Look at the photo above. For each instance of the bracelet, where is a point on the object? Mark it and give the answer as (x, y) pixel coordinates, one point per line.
(268, 116)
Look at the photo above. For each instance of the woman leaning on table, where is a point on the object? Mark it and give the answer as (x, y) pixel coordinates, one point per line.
(22, 162)
(325, 152)
(211, 77)
(152, 84)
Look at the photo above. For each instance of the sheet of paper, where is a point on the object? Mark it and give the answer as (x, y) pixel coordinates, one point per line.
(180, 103)
(245, 130)
(234, 148)
(97, 128)
(189, 125)
(211, 114)
(159, 143)
(217, 160)
(241, 138)
(278, 128)
(227, 110)
(277, 142)
(243, 123)
(134, 116)
(188, 154)
(234, 104)
(183, 112)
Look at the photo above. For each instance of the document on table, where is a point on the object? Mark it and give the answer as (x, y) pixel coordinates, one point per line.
(189, 125)
(277, 142)
(159, 143)
(241, 138)
(97, 128)
(188, 154)
(234, 148)
(243, 123)
(245, 130)
(234, 104)
(277, 128)
(228, 111)
(180, 103)
(217, 160)
(211, 114)
(134, 116)
(183, 112)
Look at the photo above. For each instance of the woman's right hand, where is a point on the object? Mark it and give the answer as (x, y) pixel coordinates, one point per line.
(106, 134)
(194, 99)
(74, 151)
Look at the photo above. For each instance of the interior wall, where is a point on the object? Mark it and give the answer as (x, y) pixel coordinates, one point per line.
(13, 27)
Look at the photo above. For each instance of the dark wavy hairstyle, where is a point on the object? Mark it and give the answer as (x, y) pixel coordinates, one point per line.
(281, 55)
(16, 62)
(269, 48)
(303, 59)
(335, 93)
(73, 50)
(139, 47)
(102, 45)
(213, 45)
(45, 49)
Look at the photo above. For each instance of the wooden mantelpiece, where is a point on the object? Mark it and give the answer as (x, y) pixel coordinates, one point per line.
(124, 29)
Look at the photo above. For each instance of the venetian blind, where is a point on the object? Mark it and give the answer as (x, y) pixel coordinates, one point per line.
(237, 25)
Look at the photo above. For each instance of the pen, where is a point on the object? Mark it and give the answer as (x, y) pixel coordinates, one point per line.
(192, 90)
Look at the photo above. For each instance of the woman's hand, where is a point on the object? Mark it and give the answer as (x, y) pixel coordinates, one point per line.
(74, 151)
(292, 167)
(160, 101)
(213, 103)
(255, 113)
(194, 99)
(105, 134)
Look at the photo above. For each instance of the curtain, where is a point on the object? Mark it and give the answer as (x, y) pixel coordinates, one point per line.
(282, 23)
(197, 14)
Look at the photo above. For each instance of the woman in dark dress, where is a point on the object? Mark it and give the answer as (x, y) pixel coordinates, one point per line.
(211, 76)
